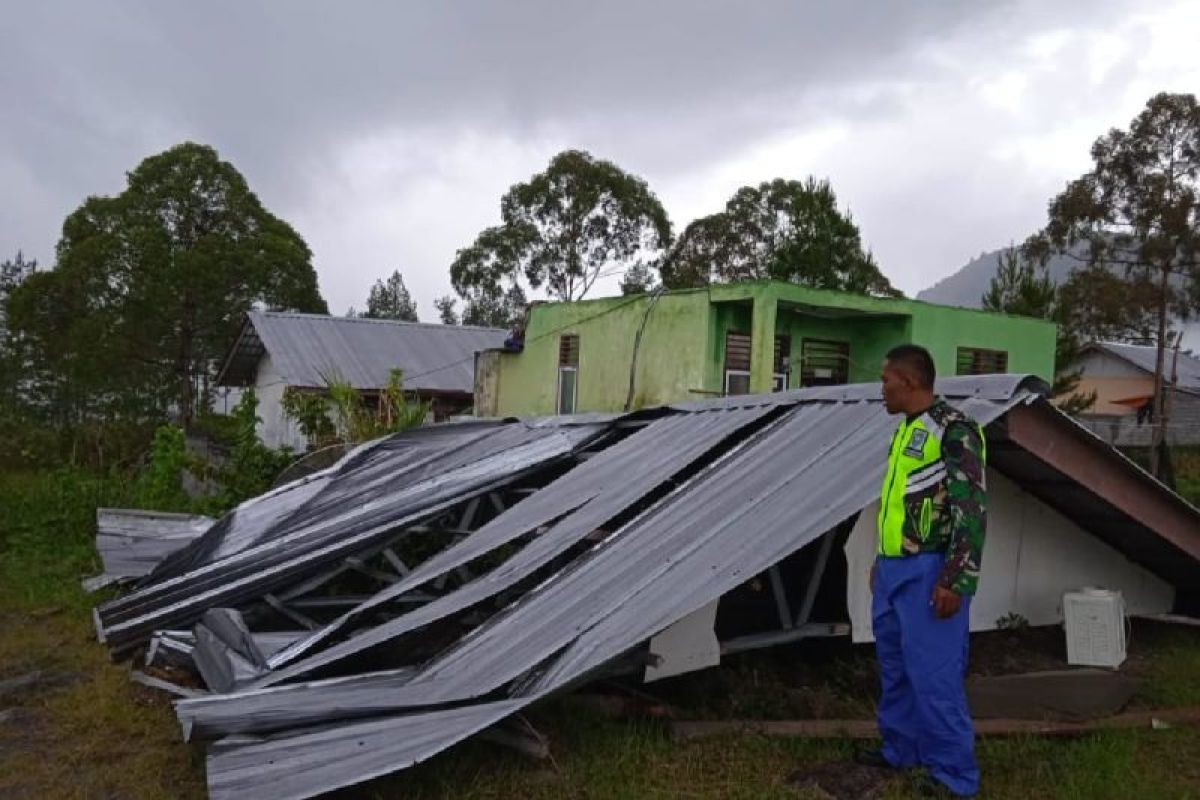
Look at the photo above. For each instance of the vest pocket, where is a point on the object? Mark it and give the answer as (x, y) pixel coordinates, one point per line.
(925, 521)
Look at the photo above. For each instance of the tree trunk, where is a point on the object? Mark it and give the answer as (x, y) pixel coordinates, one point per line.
(1158, 431)
(183, 365)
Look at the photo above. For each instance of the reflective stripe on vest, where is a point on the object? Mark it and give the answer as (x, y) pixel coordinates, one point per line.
(914, 465)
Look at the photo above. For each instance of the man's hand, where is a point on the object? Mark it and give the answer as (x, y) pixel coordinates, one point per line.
(945, 602)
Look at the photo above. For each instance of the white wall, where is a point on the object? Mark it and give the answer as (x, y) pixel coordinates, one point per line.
(1031, 556)
(1102, 365)
(275, 429)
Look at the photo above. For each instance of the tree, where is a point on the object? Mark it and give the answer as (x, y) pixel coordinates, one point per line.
(446, 310)
(13, 272)
(151, 285)
(638, 279)
(561, 230)
(782, 230)
(489, 308)
(1138, 208)
(1021, 287)
(391, 300)
(496, 309)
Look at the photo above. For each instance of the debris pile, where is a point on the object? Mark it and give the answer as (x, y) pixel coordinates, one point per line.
(433, 583)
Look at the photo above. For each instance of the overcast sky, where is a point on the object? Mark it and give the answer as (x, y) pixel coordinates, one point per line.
(386, 132)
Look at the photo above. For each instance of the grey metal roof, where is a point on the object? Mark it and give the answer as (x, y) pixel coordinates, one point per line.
(665, 514)
(132, 542)
(1145, 357)
(739, 515)
(374, 492)
(309, 349)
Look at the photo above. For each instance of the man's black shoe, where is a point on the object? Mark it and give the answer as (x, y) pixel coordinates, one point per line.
(873, 758)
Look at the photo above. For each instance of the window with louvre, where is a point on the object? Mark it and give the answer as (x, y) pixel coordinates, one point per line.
(824, 362)
(783, 363)
(975, 361)
(737, 363)
(568, 373)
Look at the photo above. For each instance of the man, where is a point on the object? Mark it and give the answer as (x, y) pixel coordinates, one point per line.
(932, 516)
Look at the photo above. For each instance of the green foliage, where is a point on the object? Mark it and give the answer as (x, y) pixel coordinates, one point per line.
(357, 418)
(781, 230)
(149, 289)
(1187, 473)
(1022, 287)
(447, 314)
(391, 300)
(490, 310)
(638, 279)
(47, 532)
(1138, 209)
(1012, 621)
(310, 410)
(252, 466)
(561, 229)
(160, 485)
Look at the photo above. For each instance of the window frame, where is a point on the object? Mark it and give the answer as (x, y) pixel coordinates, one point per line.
(568, 361)
(988, 356)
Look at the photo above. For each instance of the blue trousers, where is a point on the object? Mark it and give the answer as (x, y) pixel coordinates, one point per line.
(923, 716)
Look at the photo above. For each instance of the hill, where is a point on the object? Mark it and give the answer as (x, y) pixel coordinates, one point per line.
(965, 288)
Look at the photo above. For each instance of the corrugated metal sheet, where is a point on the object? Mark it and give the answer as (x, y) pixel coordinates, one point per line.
(282, 765)
(743, 514)
(376, 491)
(308, 349)
(638, 535)
(573, 507)
(1145, 358)
(131, 542)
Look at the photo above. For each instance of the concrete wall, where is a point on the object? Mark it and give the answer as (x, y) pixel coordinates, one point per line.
(275, 429)
(1030, 343)
(671, 361)
(1032, 555)
(681, 357)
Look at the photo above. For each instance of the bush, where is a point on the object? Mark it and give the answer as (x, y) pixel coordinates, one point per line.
(160, 486)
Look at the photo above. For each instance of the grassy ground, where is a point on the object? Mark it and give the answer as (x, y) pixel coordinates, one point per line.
(93, 734)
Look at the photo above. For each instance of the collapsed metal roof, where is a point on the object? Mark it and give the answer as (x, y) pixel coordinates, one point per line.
(556, 548)
(307, 350)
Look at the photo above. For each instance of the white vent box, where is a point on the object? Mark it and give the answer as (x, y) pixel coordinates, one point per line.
(1095, 623)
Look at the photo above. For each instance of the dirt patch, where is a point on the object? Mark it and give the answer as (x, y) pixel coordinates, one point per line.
(844, 780)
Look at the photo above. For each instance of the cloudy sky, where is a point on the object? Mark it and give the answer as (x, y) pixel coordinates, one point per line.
(386, 132)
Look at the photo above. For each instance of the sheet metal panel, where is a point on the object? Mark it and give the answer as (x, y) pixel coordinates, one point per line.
(132, 542)
(312, 762)
(366, 489)
(294, 705)
(589, 495)
(367, 513)
(702, 541)
(309, 348)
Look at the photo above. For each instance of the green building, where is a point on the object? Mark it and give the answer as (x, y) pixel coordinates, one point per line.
(735, 339)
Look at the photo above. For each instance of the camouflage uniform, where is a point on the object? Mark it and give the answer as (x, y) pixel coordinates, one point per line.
(957, 520)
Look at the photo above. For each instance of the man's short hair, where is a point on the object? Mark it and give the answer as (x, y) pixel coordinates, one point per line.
(917, 360)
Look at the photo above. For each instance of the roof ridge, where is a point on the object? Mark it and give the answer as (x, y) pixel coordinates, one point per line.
(371, 320)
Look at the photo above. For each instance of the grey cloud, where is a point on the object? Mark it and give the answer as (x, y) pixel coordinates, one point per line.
(665, 88)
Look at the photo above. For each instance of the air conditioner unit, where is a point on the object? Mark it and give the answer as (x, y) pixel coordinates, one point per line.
(1095, 625)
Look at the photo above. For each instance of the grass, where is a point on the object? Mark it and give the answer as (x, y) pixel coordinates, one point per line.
(105, 737)
(100, 735)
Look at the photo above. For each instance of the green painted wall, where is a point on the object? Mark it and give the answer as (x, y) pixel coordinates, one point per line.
(671, 361)
(682, 352)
